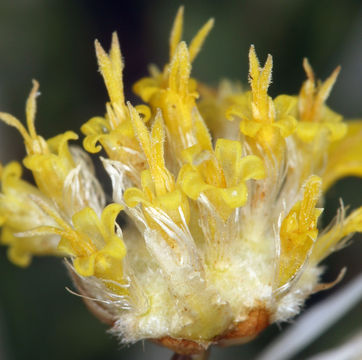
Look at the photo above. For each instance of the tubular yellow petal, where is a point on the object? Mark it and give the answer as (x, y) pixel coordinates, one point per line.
(84, 266)
(312, 109)
(191, 154)
(219, 174)
(19, 213)
(236, 167)
(59, 144)
(19, 257)
(250, 128)
(51, 169)
(134, 196)
(152, 146)
(337, 131)
(115, 248)
(86, 223)
(10, 172)
(285, 105)
(147, 184)
(265, 121)
(229, 155)
(90, 143)
(22, 249)
(344, 156)
(170, 202)
(234, 197)
(93, 243)
(191, 182)
(307, 131)
(173, 91)
(241, 107)
(286, 125)
(251, 167)
(108, 218)
(144, 111)
(145, 88)
(96, 126)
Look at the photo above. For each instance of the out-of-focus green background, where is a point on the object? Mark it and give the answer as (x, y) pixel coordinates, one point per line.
(52, 41)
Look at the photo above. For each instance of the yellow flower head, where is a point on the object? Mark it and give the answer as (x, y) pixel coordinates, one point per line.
(222, 236)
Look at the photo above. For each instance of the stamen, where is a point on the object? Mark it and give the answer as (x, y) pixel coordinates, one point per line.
(199, 39)
(176, 32)
(31, 110)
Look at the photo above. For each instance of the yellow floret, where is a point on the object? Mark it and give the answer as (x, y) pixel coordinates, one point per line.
(158, 185)
(94, 244)
(19, 213)
(176, 99)
(220, 174)
(268, 122)
(50, 161)
(315, 117)
(173, 91)
(34, 144)
(337, 235)
(115, 132)
(299, 231)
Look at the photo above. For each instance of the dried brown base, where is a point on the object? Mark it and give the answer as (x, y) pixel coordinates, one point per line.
(180, 346)
(242, 332)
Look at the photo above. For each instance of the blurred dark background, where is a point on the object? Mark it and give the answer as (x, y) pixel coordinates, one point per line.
(52, 41)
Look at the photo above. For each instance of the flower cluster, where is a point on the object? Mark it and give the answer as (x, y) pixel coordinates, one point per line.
(222, 190)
